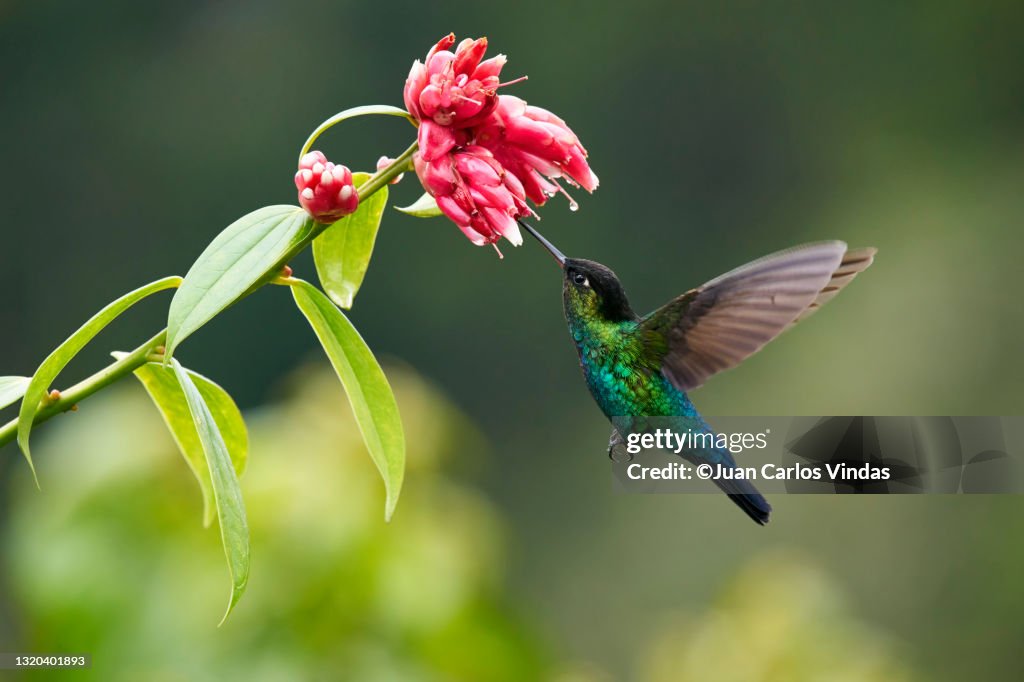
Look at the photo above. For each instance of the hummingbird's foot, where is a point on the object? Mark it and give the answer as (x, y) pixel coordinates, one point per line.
(617, 451)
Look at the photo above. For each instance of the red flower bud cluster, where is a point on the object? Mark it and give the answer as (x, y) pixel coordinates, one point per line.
(481, 155)
(325, 190)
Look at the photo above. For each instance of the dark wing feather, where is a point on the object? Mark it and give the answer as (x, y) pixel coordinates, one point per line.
(718, 325)
(854, 262)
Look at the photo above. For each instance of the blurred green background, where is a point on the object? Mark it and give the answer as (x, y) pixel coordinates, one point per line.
(133, 133)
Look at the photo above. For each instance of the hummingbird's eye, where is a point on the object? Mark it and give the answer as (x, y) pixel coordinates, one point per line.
(580, 279)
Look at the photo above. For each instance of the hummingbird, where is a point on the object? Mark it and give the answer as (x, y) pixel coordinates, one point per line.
(638, 367)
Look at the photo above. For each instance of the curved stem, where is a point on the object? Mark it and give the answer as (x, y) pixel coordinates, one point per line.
(70, 397)
(380, 109)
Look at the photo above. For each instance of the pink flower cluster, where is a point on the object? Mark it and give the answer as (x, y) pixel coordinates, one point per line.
(325, 190)
(481, 155)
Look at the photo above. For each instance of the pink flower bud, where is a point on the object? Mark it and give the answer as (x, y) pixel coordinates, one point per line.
(476, 193)
(325, 189)
(385, 161)
(454, 89)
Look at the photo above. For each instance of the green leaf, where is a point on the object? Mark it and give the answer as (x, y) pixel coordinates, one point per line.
(373, 403)
(59, 358)
(227, 495)
(11, 389)
(164, 388)
(367, 110)
(236, 260)
(424, 207)
(342, 253)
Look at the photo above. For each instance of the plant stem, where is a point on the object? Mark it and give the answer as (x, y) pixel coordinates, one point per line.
(352, 113)
(70, 397)
(386, 175)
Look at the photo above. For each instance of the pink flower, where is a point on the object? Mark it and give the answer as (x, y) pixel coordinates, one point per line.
(454, 89)
(537, 147)
(325, 190)
(482, 155)
(475, 192)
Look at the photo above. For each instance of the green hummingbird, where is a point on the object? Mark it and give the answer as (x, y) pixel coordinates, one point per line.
(638, 367)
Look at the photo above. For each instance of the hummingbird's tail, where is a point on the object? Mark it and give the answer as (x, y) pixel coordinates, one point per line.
(746, 497)
(740, 490)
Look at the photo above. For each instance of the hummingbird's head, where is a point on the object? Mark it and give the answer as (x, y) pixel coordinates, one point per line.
(589, 290)
(592, 291)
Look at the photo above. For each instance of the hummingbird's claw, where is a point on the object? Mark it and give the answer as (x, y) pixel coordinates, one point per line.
(617, 451)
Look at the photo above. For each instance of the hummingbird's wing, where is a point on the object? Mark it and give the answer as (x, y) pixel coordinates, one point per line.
(716, 326)
(855, 261)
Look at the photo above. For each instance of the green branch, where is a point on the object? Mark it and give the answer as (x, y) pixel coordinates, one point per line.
(70, 397)
(384, 176)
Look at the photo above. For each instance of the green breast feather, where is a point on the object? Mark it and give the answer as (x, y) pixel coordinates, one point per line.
(623, 370)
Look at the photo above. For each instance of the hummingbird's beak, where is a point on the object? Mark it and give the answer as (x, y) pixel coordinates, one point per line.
(559, 256)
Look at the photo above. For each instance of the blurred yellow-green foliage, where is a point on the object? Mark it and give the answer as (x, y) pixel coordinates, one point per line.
(781, 620)
(111, 557)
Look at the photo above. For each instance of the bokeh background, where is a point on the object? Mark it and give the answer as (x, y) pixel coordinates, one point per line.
(134, 132)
